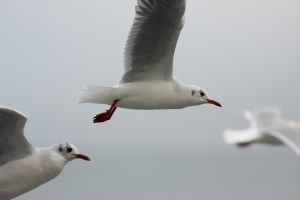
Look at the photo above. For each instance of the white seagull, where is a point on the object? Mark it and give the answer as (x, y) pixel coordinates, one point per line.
(266, 126)
(24, 167)
(147, 82)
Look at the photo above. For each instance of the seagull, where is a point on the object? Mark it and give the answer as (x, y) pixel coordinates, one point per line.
(24, 167)
(266, 126)
(147, 82)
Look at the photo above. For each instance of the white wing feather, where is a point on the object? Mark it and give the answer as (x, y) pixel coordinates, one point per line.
(13, 144)
(152, 40)
(263, 117)
(288, 134)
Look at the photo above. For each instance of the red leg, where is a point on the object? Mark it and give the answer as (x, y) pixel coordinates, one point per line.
(244, 144)
(112, 112)
(102, 117)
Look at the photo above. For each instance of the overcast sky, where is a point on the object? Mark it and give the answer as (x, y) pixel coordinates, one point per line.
(245, 54)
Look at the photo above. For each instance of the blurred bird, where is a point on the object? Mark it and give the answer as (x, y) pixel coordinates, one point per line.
(266, 126)
(24, 167)
(147, 82)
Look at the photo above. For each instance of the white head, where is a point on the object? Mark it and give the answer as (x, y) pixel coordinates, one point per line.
(199, 96)
(70, 152)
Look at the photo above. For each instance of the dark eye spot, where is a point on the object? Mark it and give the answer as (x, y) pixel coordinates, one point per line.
(60, 149)
(69, 149)
(193, 92)
(202, 94)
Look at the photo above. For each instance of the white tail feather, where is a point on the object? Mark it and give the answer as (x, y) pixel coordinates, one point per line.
(240, 136)
(96, 94)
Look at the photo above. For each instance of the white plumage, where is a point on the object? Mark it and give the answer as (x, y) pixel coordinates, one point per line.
(24, 167)
(148, 82)
(266, 126)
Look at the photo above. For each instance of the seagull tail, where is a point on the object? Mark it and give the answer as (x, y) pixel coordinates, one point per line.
(240, 136)
(96, 94)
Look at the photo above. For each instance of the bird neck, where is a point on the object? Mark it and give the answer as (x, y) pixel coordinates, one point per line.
(52, 158)
(182, 93)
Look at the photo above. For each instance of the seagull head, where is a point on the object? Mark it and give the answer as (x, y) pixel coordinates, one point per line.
(70, 152)
(199, 96)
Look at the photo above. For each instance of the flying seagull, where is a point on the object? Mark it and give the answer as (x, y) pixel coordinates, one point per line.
(266, 126)
(24, 167)
(147, 82)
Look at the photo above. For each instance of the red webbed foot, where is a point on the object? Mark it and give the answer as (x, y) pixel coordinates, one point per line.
(105, 116)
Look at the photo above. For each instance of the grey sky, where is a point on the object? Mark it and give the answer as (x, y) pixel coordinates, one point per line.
(245, 54)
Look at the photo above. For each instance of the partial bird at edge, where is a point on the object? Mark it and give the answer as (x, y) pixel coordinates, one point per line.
(23, 166)
(266, 126)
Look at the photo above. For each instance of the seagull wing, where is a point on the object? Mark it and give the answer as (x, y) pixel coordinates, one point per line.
(152, 40)
(264, 117)
(288, 134)
(13, 144)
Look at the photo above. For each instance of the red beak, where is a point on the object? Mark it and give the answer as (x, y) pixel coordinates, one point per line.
(214, 102)
(81, 156)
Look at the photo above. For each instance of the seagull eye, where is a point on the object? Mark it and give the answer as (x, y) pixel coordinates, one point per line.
(193, 92)
(69, 149)
(202, 94)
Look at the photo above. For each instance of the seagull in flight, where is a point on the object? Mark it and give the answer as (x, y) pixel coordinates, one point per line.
(24, 167)
(266, 126)
(148, 82)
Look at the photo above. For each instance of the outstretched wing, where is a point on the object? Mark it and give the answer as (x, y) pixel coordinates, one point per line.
(152, 40)
(13, 144)
(288, 134)
(264, 117)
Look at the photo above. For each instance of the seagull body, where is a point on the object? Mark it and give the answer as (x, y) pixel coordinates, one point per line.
(266, 126)
(148, 82)
(24, 167)
(147, 96)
